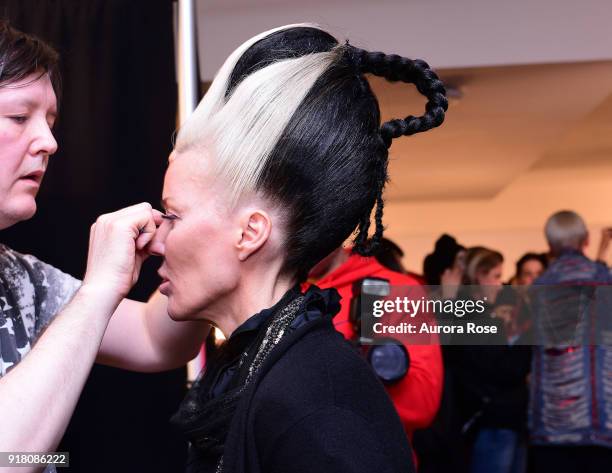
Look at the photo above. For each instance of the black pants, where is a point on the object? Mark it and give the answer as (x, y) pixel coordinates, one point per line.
(565, 459)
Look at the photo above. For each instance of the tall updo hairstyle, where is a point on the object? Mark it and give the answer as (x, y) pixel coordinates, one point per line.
(290, 116)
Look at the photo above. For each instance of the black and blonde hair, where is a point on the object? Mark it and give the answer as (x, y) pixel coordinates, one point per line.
(291, 117)
(22, 55)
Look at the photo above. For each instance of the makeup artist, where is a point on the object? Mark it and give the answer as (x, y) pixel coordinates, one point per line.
(53, 326)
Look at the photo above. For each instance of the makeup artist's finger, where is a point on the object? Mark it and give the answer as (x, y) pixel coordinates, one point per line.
(140, 219)
(146, 234)
(141, 256)
(135, 211)
(158, 217)
(148, 231)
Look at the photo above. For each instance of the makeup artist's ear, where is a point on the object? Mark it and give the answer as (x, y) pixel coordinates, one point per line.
(256, 227)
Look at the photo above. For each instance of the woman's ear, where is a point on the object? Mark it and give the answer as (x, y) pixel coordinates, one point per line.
(256, 229)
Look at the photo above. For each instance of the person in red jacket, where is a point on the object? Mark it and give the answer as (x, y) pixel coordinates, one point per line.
(417, 396)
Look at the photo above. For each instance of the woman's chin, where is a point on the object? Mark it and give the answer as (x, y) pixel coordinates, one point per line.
(179, 314)
(176, 315)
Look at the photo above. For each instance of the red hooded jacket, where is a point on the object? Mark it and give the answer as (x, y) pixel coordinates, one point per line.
(417, 396)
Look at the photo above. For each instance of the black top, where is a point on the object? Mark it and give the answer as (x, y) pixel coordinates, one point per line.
(315, 405)
(225, 363)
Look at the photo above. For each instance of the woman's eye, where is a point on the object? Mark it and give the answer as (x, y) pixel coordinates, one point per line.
(169, 216)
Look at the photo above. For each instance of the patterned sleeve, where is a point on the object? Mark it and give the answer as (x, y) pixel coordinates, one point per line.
(53, 289)
(31, 294)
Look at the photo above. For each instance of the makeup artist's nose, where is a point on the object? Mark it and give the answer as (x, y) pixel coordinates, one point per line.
(43, 142)
(157, 247)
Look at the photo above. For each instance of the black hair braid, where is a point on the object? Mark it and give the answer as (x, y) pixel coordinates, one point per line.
(362, 245)
(362, 233)
(397, 68)
(370, 247)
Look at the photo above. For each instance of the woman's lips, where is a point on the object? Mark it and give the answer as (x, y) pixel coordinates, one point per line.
(164, 288)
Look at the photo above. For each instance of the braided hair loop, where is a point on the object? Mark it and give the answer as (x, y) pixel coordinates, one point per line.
(396, 68)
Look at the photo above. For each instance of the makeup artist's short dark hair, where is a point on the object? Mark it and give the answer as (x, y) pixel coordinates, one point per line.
(22, 54)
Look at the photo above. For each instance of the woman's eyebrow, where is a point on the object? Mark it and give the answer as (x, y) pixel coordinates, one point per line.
(166, 203)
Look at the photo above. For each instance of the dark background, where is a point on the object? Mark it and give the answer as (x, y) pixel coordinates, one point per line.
(117, 116)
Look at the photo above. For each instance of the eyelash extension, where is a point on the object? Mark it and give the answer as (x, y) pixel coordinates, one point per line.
(19, 118)
(168, 216)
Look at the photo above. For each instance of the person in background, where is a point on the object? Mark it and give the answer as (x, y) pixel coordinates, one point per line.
(438, 446)
(390, 255)
(570, 395)
(514, 309)
(604, 245)
(445, 266)
(529, 267)
(490, 380)
(484, 269)
(508, 305)
(416, 397)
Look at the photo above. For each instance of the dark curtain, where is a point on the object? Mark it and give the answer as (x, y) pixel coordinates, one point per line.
(117, 116)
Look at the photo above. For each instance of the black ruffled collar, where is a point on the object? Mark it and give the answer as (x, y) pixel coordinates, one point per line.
(204, 416)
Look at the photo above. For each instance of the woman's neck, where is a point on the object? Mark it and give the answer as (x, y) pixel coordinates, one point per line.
(250, 297)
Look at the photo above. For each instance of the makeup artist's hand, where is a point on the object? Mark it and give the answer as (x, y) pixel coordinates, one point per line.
(116, 244)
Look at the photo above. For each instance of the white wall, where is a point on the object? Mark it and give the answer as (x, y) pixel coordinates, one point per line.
(512, 222)
(448, 33)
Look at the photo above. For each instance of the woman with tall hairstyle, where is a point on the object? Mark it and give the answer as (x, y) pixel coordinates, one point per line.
(281, 162)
